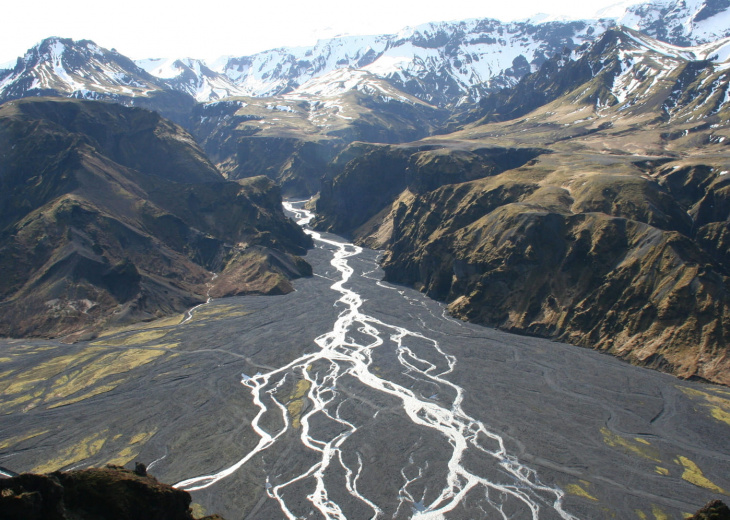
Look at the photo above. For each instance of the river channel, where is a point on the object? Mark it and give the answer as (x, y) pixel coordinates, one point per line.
(355, 399)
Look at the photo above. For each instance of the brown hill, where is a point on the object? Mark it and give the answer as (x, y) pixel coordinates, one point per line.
(604, 224)
(111, 214)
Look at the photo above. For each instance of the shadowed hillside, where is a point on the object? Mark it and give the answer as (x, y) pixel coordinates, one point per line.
(111, 214)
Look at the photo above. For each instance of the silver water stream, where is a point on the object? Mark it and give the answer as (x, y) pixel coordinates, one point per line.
(469, 472)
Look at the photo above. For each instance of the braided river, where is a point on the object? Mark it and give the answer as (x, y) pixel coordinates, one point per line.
(352, 398)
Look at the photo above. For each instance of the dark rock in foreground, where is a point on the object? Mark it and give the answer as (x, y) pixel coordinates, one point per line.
(715, 510)
(111, 493)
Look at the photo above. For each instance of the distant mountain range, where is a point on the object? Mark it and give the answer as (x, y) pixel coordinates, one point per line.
(590, 203)
(569, 179)
(444, 64)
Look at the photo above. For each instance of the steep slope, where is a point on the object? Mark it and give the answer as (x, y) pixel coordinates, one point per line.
(686, 22)
(626, 72)
(112, 214)
(449, 63)
(192, 77)
(612, 230)
(293, 137)
(81, 69)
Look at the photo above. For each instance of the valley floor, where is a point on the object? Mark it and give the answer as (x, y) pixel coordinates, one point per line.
(617, 440)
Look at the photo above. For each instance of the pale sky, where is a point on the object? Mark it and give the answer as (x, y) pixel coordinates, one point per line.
(197, 29)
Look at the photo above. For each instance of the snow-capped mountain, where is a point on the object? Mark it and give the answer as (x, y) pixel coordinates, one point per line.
(82, 69)
(338, 82)
(442, 63)
(193, 77)
(447, 63)
(680, 22)
(626, 73)
(691, 82)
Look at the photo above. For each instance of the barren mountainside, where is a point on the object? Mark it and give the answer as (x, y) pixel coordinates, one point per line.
(518, 189)
(113, 214)
(567, 179)
(606, 226)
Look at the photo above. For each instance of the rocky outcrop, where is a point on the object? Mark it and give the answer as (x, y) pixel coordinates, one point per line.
(715, 510)
(111, 214)
(620, 275)
(110, 493)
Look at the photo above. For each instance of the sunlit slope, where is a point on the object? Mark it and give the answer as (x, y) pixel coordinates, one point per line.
(613, 235)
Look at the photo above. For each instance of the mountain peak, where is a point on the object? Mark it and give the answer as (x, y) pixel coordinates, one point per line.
(440, 63)
(62, 66)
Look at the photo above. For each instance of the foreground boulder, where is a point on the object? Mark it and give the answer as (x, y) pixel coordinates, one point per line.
(111, 493)
(715, 510)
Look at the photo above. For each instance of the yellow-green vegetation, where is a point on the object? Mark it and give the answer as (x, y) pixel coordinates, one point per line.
(26, 381)
(96, 391)
(156, 324)
(694, 475)
(113, 363)
(12, 441)
(197, 510)
(133, 339)
(296, 402)
(64, 376)
(658, 513)
(580, 490)
(135, 445)
(719, 407)
(85, 448)
(219, 312)
(662, 471)
(636, 446)
(6, 406)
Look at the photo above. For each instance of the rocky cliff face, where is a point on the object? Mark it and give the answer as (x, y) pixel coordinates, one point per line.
(111, 214)
(293, 138)
(597, 217)
(504, 253)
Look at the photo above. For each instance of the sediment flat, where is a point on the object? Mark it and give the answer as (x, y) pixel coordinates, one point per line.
(617, 440)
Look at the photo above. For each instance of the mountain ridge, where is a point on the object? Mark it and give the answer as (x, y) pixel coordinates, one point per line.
(441, 63)
(113, 214)
(612, 235)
